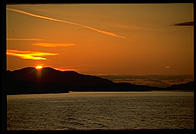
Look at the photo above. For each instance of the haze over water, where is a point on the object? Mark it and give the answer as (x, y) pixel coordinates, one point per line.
(151, 80)
(101, 110)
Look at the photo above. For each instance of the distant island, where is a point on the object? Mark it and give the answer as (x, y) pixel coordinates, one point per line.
(48, 80)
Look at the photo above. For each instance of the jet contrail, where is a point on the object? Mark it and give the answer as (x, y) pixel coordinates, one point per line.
(67, 22)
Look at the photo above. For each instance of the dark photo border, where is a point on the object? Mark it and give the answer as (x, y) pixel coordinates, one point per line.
(3, 64)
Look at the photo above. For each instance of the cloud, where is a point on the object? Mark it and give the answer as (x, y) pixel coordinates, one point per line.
(67, 22)
(190, 23)
(167, 67)
(23, 39)
(54, 44)
(31, 55)
(65, 69)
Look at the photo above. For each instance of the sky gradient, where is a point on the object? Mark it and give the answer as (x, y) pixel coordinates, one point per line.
(102, 38)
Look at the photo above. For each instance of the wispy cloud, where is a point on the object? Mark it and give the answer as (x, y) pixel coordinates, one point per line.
(65, 69)
(190, 23)
(167, 67)
(23, 39)
(54, 44)
(32, 55)
(67, 22)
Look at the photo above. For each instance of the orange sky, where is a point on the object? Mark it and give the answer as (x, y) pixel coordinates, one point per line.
(101, 38)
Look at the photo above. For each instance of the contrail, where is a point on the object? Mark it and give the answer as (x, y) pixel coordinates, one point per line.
(67, 22)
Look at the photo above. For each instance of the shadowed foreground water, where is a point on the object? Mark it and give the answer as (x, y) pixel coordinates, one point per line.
(101, 110)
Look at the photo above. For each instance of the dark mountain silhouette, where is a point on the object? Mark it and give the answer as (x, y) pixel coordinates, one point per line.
(186, 87)
(49, 80)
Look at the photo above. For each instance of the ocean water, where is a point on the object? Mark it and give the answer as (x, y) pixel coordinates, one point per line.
(101, 110)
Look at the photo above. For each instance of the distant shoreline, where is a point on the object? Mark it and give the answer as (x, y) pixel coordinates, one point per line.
(103, 92)
(29, 81)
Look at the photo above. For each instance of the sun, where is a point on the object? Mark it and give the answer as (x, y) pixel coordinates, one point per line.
(39, 67)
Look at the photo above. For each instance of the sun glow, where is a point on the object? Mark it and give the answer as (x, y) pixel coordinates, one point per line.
(39, 67)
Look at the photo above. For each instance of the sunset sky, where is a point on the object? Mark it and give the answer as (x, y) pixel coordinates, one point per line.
(102, 38)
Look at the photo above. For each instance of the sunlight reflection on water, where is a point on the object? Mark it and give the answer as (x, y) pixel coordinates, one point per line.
(101, 110)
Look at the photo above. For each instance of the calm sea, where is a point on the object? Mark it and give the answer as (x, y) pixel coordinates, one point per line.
(101, 110)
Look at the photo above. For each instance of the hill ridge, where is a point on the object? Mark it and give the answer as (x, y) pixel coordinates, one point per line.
(49, 80)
